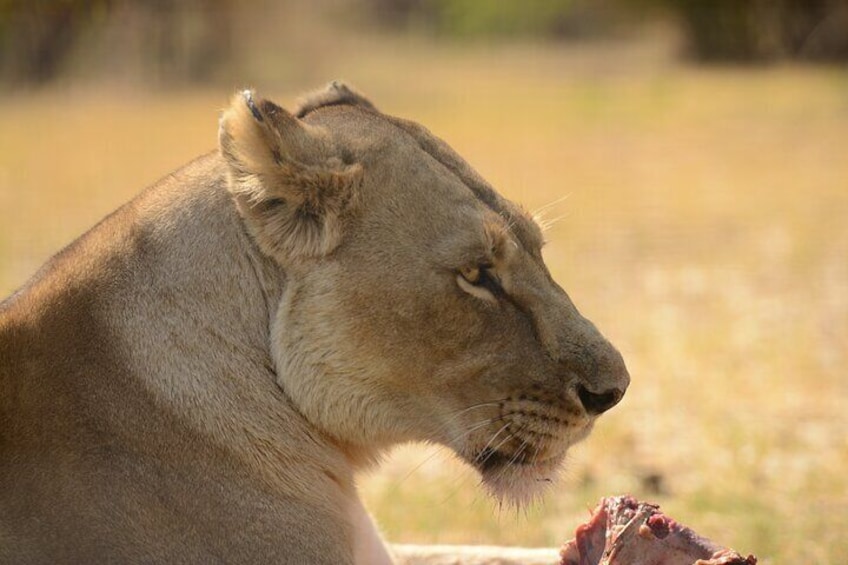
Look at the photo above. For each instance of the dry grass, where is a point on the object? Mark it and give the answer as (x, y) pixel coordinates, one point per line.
(706, 232)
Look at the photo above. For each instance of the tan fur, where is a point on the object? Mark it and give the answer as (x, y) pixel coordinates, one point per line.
(200, 376)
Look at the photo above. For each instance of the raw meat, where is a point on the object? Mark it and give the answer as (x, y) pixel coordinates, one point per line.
(624, 531)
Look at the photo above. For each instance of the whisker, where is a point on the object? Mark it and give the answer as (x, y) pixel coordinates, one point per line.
(459, 482)
(516, 455)
(552, 221)
(535, 458)
(454, 437)
(473, 428)
(541, 209)
(475, 406)
(494, 450)
(452, 426)
(395, 485)
(518, 452)
(488, 443)
(452, 419)
(545, 224)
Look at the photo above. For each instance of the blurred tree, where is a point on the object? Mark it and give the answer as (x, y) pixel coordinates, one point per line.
(36, 36)
(751, 30)
(475, 18)
(721, 29)
(725, 30)
(175, 40)
(816, 29)
(180, 41)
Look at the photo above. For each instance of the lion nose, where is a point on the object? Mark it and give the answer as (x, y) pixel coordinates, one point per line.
(603, 381)
(597, 403)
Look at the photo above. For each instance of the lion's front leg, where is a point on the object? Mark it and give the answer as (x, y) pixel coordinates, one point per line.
(368, 545)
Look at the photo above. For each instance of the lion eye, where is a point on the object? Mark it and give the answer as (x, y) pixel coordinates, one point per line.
(479, 281)
(472, 274)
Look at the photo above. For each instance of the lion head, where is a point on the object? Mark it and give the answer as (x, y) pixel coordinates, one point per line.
(417, 305)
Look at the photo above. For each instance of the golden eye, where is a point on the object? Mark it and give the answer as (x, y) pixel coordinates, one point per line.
(481, 282)
(482, 275)
(471, 274)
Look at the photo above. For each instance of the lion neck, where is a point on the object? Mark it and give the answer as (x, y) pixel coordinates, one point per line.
(202, 353)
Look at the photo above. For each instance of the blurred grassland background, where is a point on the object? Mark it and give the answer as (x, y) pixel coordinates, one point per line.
(696, 161)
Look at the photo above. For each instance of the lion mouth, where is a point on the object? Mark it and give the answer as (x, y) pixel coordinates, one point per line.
(518, 478)
(525, 453)
(520, 468)
(489, 460)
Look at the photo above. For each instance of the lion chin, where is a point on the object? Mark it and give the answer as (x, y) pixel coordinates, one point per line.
(521, 477)
(520, 483)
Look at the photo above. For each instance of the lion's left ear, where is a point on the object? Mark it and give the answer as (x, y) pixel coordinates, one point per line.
(289, 183)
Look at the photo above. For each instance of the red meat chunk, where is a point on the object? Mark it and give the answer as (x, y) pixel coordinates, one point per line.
(624, 531)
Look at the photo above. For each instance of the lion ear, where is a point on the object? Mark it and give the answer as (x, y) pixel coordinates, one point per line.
(288, 182)
(334, 94)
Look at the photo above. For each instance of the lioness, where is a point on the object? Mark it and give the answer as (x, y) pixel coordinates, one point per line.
(201, 375)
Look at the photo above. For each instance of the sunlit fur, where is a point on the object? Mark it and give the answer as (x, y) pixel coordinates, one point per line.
(200, 377)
